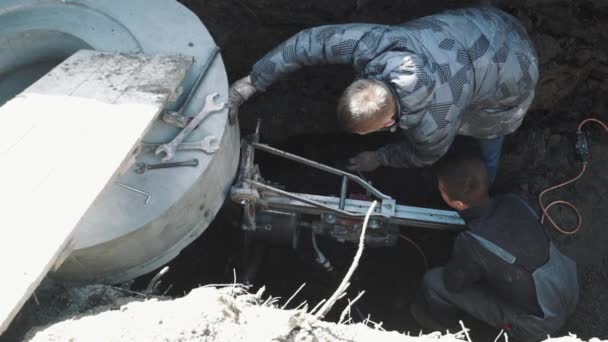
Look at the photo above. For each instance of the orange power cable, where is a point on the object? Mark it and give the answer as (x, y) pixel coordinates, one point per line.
(567, 203)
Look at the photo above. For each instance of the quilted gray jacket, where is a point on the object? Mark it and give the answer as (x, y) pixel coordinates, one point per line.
(468, 71)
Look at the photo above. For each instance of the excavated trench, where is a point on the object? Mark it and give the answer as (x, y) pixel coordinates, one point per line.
(390, 276)
(298, 116)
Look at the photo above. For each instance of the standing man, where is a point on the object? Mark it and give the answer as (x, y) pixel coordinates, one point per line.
(469, 71)
(504, 270)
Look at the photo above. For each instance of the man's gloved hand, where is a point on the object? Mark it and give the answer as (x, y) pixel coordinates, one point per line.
(240, 91)
(365, 162)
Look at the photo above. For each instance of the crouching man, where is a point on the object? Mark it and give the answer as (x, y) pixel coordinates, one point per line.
(470, 72)
(504, 270)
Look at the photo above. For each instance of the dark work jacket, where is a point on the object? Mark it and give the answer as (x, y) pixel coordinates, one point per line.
(503, 246)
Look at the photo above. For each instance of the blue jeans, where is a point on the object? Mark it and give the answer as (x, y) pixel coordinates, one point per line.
(490, 154)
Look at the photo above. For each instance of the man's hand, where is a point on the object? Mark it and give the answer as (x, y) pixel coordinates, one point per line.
(364, 162)
(240, 91)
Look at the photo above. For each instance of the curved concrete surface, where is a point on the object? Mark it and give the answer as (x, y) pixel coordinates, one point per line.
(121, 237)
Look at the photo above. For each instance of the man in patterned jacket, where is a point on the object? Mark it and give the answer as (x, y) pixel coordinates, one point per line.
(469, 71)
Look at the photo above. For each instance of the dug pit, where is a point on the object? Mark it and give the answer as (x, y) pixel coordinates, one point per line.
(298, 116)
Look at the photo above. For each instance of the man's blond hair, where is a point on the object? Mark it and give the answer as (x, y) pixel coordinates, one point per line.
(362, 102)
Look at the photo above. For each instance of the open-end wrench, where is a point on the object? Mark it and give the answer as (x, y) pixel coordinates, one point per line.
(209, 144)
(142, 167)
(209, 107)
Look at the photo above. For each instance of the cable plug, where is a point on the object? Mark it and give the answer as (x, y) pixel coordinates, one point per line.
(582, 147)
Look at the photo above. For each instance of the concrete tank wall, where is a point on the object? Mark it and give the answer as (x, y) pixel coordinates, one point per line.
(120, 237)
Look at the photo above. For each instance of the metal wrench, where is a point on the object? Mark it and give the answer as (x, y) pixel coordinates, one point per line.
(142, 167)
(209, 144)
(209, 107)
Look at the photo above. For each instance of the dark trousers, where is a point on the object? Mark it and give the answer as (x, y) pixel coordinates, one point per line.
(491, 150)
(481, 303)
(488, 150)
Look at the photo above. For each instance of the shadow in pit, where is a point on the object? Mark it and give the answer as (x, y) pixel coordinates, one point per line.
(391, 277)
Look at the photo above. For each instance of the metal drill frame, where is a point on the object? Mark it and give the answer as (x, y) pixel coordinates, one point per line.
(251, 191)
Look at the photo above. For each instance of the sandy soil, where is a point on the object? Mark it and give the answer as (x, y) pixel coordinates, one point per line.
(226, 314)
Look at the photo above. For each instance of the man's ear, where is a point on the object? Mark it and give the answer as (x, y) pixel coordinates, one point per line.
(459, 205)
(389, 123)
(389, 120)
